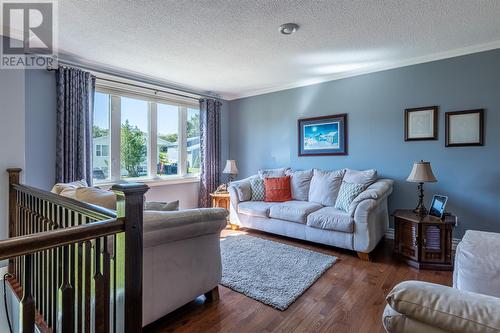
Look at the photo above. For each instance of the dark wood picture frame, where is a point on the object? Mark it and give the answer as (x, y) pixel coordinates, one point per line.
(343, 135)
(434, 136)
(448, 115)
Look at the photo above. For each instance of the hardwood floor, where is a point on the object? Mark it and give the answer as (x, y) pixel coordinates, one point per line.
(349, 297)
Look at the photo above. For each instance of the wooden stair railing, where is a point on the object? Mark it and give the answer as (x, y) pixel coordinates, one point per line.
(76, 267)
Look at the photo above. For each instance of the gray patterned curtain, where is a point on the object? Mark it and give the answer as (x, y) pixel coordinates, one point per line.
(75, 94)
(210, 148)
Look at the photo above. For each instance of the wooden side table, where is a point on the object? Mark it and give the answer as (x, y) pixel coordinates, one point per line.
(424, 242)
(222, 200)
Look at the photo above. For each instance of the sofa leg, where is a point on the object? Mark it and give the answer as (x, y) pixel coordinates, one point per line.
(234, 226)
(212, 295)
(364, 256)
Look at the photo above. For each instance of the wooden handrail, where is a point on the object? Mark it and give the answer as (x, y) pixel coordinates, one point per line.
(96, 212)
(23, 245)
(72, 261)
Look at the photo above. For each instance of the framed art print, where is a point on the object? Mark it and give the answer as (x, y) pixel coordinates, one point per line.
(465, 128)
(325, 135)
(421, 123)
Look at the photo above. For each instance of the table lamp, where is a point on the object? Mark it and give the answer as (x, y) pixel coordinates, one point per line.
(421, 173)
(230, 169)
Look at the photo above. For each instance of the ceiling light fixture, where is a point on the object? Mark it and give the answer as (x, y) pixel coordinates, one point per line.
(288, 28)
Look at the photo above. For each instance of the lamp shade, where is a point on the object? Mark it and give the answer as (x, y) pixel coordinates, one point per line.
(231, 167)
(421, 173)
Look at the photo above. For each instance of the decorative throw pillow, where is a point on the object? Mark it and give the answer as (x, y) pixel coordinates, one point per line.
(273, 173)
(277, 189)
(366, 177)
(347, 193)
(97, 196)
(59, 187)
(243, 188)
(325, 186)
(300, 182)
(161, 206)
(68, 192)
(258, 190)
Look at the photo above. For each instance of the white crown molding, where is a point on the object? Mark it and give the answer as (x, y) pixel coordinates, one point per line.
(392, 65)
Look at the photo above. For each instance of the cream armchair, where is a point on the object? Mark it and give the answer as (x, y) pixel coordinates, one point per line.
(472, 305)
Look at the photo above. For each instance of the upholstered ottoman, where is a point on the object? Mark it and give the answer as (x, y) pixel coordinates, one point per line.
(477, 263)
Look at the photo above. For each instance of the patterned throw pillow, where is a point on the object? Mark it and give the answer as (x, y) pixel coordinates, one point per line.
(277, 189)
(347, 193)
(258, 190)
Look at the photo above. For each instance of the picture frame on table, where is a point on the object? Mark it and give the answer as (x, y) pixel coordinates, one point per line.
(438, 205)
(421, 123)
(464, 128)
(323, 136)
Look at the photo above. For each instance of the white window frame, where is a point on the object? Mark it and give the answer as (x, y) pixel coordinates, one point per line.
(102, 150)
(116, 92)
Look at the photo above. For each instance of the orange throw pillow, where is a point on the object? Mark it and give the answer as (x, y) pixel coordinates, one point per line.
(277, 189)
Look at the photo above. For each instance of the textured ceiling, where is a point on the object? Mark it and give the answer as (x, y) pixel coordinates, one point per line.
(233, 47)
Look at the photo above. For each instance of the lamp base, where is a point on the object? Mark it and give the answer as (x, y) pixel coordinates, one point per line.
(420, 209)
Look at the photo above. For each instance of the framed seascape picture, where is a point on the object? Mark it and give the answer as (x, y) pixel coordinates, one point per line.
(465, 128)
(323, 135)
(421, 123)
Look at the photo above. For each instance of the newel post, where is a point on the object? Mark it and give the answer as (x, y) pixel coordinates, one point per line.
(130, 205)
(14, 176)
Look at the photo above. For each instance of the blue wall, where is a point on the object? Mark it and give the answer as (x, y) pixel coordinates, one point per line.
(263, 131)
(41, 128)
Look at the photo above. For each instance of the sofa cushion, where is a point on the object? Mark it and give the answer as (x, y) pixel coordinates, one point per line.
(257, 188)
(477, 264)
(446, 308)
(277, 189)
(330, 218)
(96, 196)
(161, 206)
(300, 182)
(365, 177)
(293, 211)
(243, 188)
(256, 208)
(347, 193)
(59, 187)
(273, 173)
(325, 186)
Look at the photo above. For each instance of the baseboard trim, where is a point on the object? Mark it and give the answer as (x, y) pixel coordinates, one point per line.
(389, 234)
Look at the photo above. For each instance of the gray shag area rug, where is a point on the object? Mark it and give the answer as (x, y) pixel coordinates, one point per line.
(270, 272)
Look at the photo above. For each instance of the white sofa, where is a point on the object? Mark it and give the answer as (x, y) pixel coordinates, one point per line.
(473, 303)
(181, 258)
(359, 229)
(181, 251)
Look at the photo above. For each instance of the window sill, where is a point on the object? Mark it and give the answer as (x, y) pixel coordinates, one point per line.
(153, 182)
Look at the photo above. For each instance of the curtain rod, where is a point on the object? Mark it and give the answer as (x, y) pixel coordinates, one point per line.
(68, 64)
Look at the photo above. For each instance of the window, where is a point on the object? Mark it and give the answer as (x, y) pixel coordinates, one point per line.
(168, 139)
(134, 138)
(139, 136)
(105, 150)
(193, 141)
(101, 137)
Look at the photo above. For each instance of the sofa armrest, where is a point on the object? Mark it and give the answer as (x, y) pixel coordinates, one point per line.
(377, 192)
(240, 190)
(447, 308)
(170, 226)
